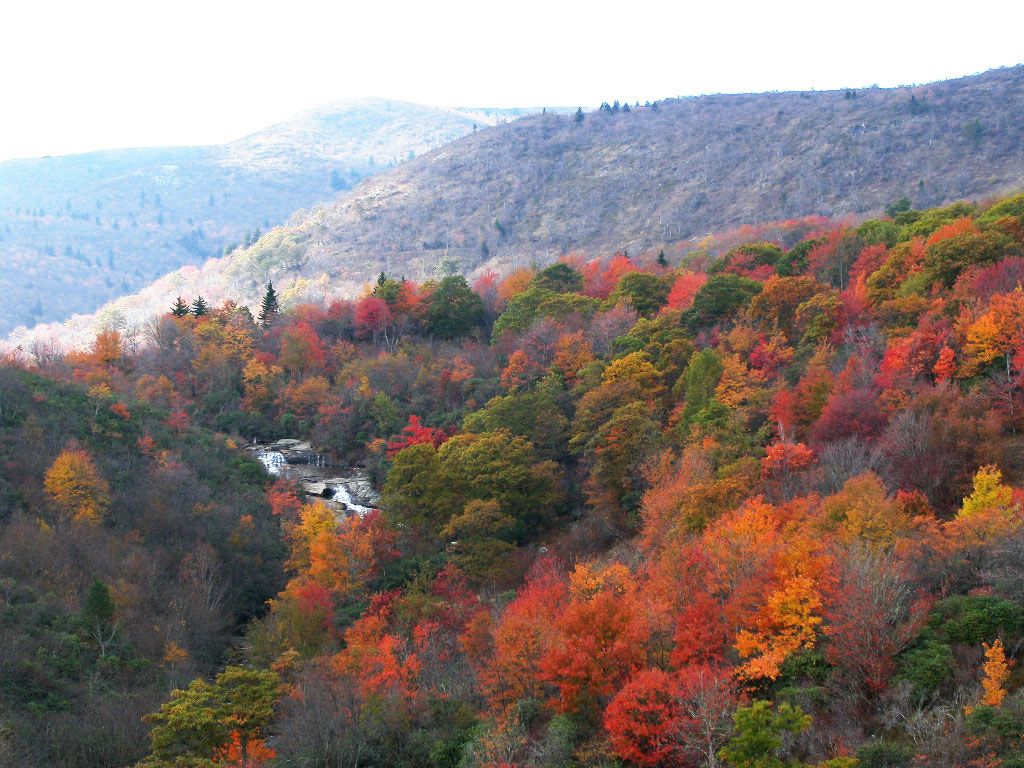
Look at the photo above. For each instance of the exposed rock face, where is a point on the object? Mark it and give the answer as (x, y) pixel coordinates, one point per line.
(348, 492)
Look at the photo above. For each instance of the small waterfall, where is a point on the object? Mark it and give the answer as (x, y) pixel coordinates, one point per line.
(342, 495)
(272, 460)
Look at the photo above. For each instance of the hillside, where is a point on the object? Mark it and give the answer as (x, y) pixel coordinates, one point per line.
(78, 231)
(178, 536)
(547, 184)
(762, 510)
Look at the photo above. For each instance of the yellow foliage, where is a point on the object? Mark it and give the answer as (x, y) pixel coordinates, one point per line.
(77, 488)
(989, 513)
(862, 511)
(589, 579)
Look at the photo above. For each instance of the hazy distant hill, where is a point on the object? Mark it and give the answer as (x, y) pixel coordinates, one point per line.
(548, 184)
(80, 230)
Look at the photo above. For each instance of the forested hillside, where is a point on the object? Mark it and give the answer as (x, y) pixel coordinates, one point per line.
(753, 509)
(78, 231)
(133, 547)
(628, 178)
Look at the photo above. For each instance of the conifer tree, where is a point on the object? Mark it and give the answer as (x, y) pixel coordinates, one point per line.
(579, 115)
(180, 308)
(270, 307)
(662, 261)
(200, 307)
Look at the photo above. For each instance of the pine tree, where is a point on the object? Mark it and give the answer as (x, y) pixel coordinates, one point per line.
(579, 115)
(199, 307)
(662, 261)
(180, 308)
(98, 607)
(270, 307)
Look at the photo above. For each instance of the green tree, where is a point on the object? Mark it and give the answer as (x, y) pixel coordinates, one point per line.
(620, 447)
(947, 258)
(578, 117)
(98, 610)
(699, 382)
(894, 209)
(197, 721)
(719, 299)
(646, 293)
(521, 311)
(455, 310)
(480, 539)
(536, 415)
(270, 308)
(200, 307)
(180, 308)
(98, 607)
(759, 732)
(559, 278)
(426, 487)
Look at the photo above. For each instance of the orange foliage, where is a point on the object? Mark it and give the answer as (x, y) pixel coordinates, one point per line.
(256, 753)
(602, 635)
(76, 487)
(523, 637)
(954, 228)
(996, 671)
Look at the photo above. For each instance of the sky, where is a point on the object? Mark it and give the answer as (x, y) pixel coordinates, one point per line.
(79, 76)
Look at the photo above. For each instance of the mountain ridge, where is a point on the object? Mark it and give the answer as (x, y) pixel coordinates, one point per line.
(79, 230)
(546, 185)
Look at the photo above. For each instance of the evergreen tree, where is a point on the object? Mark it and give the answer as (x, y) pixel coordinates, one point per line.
(454, 310)
(662, 261)
(579, 115)
(180, 308)
(270, 307)
(99, 605)
(199, 307)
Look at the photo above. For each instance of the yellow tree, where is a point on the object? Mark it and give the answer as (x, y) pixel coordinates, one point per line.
(989, 513)
(76, 487)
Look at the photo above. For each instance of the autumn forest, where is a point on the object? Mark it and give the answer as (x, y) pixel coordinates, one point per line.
(755, 502)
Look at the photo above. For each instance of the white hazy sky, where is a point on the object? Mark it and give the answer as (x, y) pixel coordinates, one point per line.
(77, 76)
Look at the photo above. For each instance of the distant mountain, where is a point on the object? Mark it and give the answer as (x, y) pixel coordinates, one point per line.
(78, 231)
(549, 184)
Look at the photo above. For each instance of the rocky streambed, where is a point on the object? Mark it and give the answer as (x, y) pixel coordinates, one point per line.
(347, 490)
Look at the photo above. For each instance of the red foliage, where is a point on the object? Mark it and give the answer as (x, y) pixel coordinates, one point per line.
(954, 228)
(684, 289)
(179, 421)
(415, 433)
(372, 317)
(852, 413)
(783, 459)
(602, 632)
(702, 633)
(643, 719)
(302, 351)
(285, 500)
